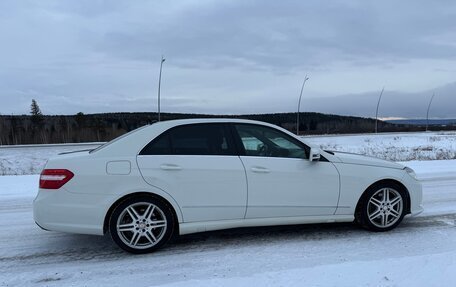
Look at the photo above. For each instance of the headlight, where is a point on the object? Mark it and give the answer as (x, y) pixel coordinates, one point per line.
(411, 172)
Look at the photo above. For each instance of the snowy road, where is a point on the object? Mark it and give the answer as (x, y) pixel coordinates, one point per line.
(421, 251)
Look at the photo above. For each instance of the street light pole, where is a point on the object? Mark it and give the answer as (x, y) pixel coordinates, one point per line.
(159, 85)
(376, 112)
(299, 104)
(427, 113)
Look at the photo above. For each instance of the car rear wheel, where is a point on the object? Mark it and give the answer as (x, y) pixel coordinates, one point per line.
(141, 224)
(382, 208)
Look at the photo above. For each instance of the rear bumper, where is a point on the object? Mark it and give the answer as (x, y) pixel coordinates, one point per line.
(60, 210)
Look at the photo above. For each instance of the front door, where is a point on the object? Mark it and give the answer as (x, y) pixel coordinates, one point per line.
(281, 179)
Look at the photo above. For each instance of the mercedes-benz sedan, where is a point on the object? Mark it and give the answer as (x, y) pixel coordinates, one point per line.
(187, 176)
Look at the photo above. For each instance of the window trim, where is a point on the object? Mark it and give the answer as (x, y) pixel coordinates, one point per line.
(225, 126)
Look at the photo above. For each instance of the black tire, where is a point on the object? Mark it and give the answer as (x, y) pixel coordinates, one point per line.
(367, 209)
(142, 233)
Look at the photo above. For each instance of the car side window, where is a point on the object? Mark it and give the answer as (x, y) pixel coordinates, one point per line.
(160, 146)
(195, 139)
(268, 142)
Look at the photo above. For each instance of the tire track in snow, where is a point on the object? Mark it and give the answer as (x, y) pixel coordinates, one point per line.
(101, 249)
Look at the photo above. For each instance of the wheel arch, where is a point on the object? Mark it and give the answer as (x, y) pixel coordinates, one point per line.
(141, 193)
(385, 182)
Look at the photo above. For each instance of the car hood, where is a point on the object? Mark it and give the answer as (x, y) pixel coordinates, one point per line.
(352, 158)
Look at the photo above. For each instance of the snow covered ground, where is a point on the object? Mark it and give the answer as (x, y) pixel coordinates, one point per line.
(392, 146)
(20, 160)
(420, 252)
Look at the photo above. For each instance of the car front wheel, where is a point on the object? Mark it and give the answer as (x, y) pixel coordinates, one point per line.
(382, 208)
(141, 224)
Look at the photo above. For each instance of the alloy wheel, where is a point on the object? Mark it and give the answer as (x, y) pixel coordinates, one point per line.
(141, 225)
(385, 207)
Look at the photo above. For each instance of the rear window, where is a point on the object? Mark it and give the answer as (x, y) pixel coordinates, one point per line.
(116, 139)
(197, 139)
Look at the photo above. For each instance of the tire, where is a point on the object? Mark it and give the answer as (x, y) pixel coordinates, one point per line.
(382, 207)
(141, 224)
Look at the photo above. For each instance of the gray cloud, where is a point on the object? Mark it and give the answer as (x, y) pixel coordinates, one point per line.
(222, 56)
(281, 36)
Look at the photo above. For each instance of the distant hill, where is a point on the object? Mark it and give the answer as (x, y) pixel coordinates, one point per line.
(104, 127)
(422, 122)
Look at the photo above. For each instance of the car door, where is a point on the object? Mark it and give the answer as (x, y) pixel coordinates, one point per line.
(198, 166)
(281, 179)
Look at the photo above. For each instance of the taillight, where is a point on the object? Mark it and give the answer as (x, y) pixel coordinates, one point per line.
(54, 178)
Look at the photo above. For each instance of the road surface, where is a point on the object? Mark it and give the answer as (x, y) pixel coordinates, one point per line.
(421, 251)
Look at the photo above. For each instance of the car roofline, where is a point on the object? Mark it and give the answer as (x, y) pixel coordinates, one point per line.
(175, 123)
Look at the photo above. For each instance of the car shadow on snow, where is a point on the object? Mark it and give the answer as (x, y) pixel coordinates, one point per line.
(56, 247)
(256, 236)
(263, 235)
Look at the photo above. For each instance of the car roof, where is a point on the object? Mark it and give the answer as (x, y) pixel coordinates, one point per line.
(172, 123)
(136, 141)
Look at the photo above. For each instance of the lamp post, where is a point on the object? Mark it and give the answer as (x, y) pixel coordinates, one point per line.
(159, 85)
(427, 113)
(299, 104)
(376, 112)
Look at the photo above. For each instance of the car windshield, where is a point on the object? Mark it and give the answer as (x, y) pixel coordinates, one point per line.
(118, 138)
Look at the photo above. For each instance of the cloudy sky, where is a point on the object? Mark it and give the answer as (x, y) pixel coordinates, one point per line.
(221, 56)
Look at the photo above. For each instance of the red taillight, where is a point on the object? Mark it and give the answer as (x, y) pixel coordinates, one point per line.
(54, 178)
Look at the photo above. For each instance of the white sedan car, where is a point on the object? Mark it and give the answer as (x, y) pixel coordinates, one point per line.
(187, 176)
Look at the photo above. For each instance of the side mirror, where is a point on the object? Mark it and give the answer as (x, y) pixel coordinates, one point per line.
(314, 154)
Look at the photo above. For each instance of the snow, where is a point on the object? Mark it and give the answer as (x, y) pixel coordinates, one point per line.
(393, 146)
(24, 159)
(358, 273)
(420, 252)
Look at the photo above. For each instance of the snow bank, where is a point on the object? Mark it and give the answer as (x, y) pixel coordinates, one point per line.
(393, 146)
(31, 160)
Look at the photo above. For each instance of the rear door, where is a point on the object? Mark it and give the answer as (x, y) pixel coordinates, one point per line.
(198, 166)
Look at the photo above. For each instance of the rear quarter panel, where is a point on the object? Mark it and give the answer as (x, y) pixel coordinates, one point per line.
(91, 177)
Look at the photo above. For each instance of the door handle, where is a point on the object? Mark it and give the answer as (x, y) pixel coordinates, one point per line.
(170, 167)
(259, 169)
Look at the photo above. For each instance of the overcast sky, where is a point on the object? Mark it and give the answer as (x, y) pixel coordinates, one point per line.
(221, 56)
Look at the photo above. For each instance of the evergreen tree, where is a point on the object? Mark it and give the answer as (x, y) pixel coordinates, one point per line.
(35, 111)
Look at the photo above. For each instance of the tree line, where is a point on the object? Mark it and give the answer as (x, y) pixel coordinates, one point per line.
(37, 128)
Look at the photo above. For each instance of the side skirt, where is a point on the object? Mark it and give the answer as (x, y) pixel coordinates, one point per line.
(202, 226)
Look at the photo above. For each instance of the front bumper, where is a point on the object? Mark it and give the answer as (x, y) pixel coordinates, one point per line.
(416, 194)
